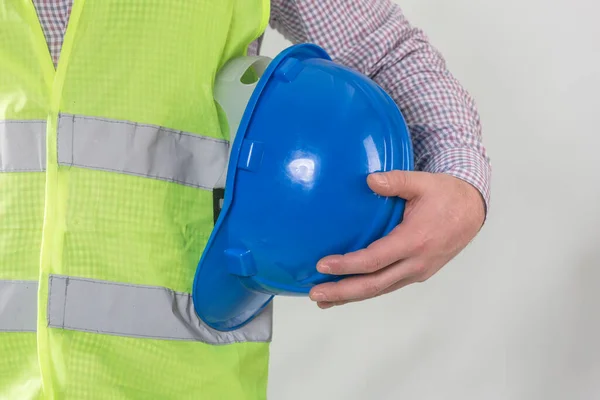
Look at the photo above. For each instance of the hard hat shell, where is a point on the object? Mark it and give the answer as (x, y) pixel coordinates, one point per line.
(296, 189)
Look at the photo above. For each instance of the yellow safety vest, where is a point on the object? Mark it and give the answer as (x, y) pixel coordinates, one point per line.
(107, 166)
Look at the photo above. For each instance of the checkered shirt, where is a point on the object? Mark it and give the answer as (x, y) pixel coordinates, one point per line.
(375, 38)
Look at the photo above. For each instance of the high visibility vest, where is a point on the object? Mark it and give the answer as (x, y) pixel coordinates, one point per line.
(107, 171)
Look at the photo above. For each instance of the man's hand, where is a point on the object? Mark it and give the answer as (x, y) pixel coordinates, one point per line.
(443, 214)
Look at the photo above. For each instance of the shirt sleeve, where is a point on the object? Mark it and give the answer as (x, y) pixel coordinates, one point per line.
(375, 38)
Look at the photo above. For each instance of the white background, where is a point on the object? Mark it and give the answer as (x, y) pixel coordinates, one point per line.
(517, 315)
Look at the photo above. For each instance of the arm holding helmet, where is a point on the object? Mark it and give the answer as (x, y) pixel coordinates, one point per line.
(448, 196)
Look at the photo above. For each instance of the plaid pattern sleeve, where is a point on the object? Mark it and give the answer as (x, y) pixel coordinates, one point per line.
(375, 38)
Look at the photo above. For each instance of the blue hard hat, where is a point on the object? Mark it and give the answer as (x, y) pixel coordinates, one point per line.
(296, 189)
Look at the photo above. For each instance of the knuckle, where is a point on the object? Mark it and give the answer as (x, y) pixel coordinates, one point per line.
(372, 264)
(422, 242)
(425, 275)
(399, 179)
(420, 270)
(420, 246)
(370, 287)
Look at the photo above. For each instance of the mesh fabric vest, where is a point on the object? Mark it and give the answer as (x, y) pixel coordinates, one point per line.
(107, 166)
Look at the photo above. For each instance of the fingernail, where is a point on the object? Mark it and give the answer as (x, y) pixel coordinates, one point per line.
(324, 268)
(318, 296)
(380, 179)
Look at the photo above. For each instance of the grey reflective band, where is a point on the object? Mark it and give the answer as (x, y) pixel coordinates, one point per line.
(141, 150)
(22, 146)
(138, 311)
(18, 306)
(118, 309)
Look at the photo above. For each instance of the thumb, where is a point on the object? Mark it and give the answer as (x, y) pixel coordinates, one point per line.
(404, 184)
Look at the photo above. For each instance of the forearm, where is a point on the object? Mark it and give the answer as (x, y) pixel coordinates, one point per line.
(375, 38)
(441, 114)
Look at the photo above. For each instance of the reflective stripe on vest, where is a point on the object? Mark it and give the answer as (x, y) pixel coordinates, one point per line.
(137, 311)
(18, 306)
(141, 150)
(22, 146)
(117, 309)
(117, 146)
(102, 306)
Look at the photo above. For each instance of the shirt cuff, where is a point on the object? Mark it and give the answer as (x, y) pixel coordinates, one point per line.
(467, 165)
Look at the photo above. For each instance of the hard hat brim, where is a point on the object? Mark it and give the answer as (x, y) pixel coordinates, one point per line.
(223, 297)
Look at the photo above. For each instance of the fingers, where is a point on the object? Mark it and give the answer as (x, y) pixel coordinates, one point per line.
(404, 184)
(400, 244)
(356, 288)
(387, 264)
(325, 305)
(398, 285)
